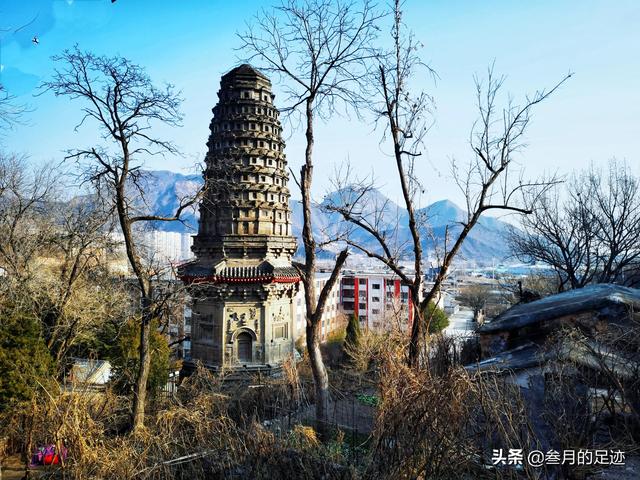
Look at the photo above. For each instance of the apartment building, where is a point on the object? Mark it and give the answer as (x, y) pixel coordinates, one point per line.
(379, 300)
(332, 318)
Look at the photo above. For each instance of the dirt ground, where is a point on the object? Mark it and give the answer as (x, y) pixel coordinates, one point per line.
(13, 469)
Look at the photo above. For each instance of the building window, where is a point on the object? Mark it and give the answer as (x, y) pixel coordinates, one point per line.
(375, 286)
(375, 299)
(280, 331)
(375, 311)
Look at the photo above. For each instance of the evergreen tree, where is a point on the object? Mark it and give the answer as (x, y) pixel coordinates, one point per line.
(25, 362)
(125, 358)
(436, 317)
(352, 339)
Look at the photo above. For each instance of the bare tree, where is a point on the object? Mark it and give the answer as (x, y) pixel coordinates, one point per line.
(588, 235)
(320, 50)
(10, 111)
(476, 297)
(487, 181)
(533, 286)
(120, 98)
(81, 289)
(52, 255)
(26, 228)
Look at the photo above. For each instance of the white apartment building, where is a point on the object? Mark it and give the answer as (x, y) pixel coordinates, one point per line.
(332, 317)
(376, 298)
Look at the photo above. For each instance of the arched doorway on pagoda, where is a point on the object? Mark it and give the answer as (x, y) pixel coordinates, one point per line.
(244, 347)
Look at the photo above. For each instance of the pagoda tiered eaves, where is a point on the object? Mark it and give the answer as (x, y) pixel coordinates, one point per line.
(242, 279)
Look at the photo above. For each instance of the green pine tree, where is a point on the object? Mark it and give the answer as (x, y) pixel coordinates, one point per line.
(352, 339)
(439, 320)
(25, 362)
(125, 358)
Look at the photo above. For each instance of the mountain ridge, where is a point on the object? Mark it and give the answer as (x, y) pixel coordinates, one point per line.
(485, 243)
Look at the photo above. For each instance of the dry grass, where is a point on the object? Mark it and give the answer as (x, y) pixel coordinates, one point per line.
(437, 423)
(442, 422)
(194, 437)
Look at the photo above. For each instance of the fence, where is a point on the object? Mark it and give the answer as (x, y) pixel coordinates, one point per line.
(351, 413)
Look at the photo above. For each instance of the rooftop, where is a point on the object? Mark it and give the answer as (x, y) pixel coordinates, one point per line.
(594, 297)
(246, 70)
(579, 350)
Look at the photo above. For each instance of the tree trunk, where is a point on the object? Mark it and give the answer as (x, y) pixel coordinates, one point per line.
(320, 377)
(144, 365)
(320, 380)
(417, 327)
(146, 301)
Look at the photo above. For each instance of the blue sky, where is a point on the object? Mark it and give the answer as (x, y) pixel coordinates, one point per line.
(190, 43)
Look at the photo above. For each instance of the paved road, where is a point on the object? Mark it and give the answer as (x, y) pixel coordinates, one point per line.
(461, 324)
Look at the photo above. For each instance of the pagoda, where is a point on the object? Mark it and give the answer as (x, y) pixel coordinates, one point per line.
(242, 282)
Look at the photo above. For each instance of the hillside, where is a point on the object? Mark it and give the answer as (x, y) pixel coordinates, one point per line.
(485, 243)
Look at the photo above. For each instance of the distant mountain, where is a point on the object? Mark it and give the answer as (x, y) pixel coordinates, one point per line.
(485, 243)
(163, 191)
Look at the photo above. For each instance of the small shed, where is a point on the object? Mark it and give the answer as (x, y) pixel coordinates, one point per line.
(90, 372)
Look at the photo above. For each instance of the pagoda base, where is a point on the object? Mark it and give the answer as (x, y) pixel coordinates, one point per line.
(234, 372)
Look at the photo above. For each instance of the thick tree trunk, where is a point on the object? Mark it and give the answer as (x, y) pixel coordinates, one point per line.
(414, 342)
(320, 380)
(320, 377)
(144, 366)
(146, 301)
(417, 327)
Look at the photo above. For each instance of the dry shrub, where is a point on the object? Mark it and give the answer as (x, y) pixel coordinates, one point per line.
(304, 437)
(193, 439)
(442, 422)
(292, 380)
(501, 418)
(373, 348)
(77, 421)
(592, 388)
(249, 396)
(421, 426)
(443, 353)
(200, 382)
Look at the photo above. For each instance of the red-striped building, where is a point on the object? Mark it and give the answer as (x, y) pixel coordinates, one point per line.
(380, 301)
